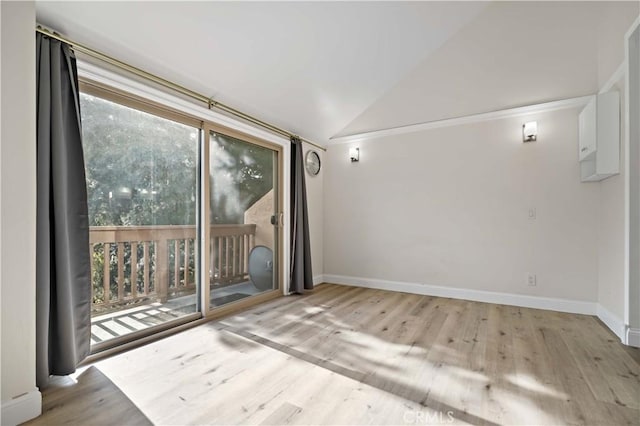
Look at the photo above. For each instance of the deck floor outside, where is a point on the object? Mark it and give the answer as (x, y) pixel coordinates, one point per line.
(152, 313)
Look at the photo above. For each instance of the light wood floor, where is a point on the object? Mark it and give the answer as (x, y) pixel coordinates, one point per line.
(343, 355)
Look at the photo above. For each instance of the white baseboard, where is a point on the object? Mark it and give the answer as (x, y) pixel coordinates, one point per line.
(22, 408)
(633, 337)
(614, 323)
(525, 301)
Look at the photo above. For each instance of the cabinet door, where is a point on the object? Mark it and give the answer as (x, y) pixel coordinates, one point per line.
(587, 130)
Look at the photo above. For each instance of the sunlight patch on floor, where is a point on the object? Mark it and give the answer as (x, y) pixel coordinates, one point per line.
(531, 384)
(312, 310)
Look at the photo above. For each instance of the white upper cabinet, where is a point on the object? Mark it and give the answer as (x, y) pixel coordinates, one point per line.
(587, 130)
(599, 137)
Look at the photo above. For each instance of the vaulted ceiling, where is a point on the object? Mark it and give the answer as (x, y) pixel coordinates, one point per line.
(323, 69)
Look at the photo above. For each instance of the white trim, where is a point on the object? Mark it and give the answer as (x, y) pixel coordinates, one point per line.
(632, 28)
(614, 323)
(474, 118)
(553, 304)
(617, 75)
(318, 279)
(633, 337)
(110, 78)
(22, 408)
(627, 180)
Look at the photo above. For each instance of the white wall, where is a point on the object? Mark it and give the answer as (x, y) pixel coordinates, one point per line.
(18, 218)
(315, 191)
(615, 20)
(449, 207)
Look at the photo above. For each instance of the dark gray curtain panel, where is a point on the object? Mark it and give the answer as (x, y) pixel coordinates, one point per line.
(301, 276)
(63, 292)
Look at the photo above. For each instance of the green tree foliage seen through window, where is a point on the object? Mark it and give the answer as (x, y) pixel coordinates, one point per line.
(241, 174)
(141, 169)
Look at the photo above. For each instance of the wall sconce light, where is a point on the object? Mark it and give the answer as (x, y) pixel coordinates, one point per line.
(354, 154)
(530, 131)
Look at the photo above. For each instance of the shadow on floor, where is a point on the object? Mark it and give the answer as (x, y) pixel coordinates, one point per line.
(66, 402)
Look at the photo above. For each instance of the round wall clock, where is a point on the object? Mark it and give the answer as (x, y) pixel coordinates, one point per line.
(312, 163)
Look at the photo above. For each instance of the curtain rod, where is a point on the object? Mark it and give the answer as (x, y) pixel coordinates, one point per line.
(170, 85)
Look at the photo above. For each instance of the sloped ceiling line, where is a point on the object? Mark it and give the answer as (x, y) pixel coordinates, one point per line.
(309, 67)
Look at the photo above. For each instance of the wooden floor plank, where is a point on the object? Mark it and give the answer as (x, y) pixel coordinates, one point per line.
(346, 355)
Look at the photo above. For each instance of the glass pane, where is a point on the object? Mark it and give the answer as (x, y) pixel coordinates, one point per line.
(142, 194)
(243, 201)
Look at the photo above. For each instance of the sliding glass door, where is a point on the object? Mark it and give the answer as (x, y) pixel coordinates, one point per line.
(184, 219)
(244, 218)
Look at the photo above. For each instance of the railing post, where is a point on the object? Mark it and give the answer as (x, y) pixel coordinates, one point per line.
(134, 270)
(176, 264)
(106, 276)
(219, 255)
(146, 265)
(186, 262)
(162, 270)
(120, 269)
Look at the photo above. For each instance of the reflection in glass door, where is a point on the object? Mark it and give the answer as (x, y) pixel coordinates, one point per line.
(244, 219)
(142, 191)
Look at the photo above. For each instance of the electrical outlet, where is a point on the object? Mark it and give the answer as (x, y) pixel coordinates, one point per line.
(532, 280)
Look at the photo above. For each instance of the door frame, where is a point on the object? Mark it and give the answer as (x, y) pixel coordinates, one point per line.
(631, 265)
